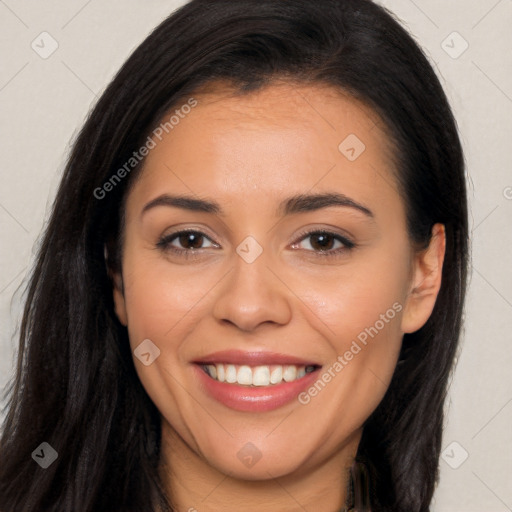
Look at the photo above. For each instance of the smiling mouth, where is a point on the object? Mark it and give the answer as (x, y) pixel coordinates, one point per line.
(257, 376)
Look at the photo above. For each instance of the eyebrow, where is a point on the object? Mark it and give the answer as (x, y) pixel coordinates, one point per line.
(296, 204)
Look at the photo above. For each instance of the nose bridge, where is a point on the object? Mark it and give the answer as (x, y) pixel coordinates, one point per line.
(252, 266)
(252, 293)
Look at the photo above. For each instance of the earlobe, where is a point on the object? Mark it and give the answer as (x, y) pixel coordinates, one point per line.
(425, 282)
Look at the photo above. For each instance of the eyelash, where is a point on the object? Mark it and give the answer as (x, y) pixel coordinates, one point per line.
(165, 243)
(331, 253)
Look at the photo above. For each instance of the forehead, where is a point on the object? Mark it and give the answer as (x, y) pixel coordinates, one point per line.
(283, 104)
(281, 139)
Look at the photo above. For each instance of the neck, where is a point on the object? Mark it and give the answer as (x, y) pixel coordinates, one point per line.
(195, 486)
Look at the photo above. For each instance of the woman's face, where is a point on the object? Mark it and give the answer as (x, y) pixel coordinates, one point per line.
(293, 278)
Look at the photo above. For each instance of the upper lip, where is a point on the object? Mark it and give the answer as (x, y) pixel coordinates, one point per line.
(253, 358)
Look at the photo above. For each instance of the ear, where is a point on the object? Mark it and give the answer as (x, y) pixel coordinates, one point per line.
(118, 290)
(425, 282)
(119, 302)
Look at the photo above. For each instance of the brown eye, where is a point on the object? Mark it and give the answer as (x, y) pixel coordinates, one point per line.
(190, 237)
(184, 242)
(323, 243)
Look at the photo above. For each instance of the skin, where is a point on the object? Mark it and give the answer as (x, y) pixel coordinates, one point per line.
(248, 153)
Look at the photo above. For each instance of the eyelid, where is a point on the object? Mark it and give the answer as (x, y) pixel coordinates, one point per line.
(176, 230)
(165, 239)
(337, 232)
(345, 240)
(164, 243)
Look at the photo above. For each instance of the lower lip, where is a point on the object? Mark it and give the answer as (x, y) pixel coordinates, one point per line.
(254, 399)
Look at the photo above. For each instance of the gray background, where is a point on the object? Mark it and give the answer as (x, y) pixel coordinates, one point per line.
(44, 102)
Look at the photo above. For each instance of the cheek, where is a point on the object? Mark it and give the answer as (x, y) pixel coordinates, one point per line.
(163, 302)
(363, 317)
(164, 306)
(363, 309)
(355, 297)
(366, 346)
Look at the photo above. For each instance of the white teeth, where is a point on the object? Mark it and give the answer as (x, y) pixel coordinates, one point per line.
(261, 376)
(290, 373)
(244, 375)
(230, 373)
(221, 375)
(212, 370)
(264, 375)
(276, 375)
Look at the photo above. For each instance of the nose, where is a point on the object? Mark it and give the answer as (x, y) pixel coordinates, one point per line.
(253, 294)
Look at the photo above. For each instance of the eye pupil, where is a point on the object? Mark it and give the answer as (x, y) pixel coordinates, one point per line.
(323, 241)
(195, 239)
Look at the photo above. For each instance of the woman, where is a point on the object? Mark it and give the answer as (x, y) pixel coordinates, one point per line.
(255, 368)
